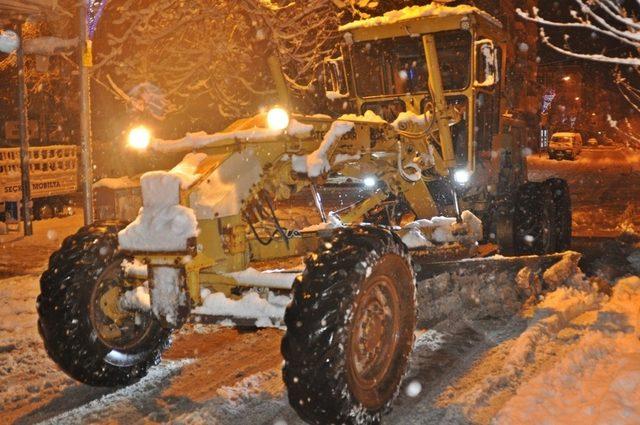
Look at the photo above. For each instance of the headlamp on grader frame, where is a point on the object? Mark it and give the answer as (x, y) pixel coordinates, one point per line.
(428, 137)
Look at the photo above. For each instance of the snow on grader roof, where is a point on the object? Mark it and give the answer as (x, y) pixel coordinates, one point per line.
(415, 12)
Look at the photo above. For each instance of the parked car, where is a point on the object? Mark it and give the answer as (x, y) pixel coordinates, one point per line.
(592, 142)
(565, 145)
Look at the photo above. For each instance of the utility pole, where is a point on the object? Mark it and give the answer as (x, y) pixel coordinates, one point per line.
(24, 137)
(86, 62)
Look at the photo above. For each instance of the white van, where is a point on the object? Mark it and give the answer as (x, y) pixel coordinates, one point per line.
(565, 145)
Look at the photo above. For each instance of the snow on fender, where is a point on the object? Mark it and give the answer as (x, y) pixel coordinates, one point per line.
(162, 224)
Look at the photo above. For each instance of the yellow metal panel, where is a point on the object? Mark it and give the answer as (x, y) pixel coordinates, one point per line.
(419, 197)
(435, 84)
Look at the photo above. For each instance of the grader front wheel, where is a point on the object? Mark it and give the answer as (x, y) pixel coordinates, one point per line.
(84, 329)
(350, 328)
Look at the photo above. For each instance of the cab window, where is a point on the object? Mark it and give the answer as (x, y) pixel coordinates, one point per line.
(394, 66)
(454, 56)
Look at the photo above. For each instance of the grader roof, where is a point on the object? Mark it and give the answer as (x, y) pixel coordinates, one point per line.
(418, 19)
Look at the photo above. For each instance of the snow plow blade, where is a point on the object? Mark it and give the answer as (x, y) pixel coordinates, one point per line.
(480, 287)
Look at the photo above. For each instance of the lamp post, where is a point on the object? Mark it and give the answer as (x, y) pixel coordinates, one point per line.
(86, 63)
(24, 136)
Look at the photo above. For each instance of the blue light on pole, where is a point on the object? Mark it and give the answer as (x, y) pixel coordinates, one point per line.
(95, 8)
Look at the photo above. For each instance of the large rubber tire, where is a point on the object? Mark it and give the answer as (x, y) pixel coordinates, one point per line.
(535, 231)
(75, 274)
(337, 369)
(563, 223)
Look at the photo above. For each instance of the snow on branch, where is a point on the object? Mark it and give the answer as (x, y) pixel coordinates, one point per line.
(613, 19)
(212, 54)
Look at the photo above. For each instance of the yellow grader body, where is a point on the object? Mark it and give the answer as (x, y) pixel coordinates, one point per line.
(224, 245)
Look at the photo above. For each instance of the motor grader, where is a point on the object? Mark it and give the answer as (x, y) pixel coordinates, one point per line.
(429, 133)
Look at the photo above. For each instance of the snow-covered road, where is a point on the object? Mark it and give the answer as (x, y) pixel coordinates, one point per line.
(576, 354)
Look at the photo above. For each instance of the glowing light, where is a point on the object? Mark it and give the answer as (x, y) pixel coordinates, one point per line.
(461, 176)
(566, 78)
(139, 138)
(277, 119)
(369, 181)
(413, 389)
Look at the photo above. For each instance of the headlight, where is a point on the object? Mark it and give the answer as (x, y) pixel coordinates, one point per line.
(461, 176)
(139, 138)
(369, 181)
(277, 119)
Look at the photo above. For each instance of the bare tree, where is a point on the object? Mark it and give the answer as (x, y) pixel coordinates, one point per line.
(612, 19)
(161, 56)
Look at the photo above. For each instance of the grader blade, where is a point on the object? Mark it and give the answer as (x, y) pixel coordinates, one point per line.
(480, 287)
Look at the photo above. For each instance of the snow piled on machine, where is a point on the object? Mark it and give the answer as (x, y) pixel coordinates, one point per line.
(317, 162)
(422, 120)
(222, 192)
(267, 311)
(269, 278)
(258, 132)
(187, 169)
(414, 12)
(421, 233)
(414, 238)
(162, 224)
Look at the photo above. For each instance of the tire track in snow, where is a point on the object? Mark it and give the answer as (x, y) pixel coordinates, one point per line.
(144, 389)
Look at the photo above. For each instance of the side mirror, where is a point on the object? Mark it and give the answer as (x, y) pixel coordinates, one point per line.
(488, 64)
(335, 81)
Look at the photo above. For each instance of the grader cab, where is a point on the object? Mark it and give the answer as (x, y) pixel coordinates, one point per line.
(430, 137)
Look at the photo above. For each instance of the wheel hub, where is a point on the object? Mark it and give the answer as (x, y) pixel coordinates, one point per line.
(373, 331)
(376, 332)
(116, 327)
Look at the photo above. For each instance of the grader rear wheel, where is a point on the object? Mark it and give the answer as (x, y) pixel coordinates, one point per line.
(350, 328)
(535, 229)
(542, 218)
(562, 220)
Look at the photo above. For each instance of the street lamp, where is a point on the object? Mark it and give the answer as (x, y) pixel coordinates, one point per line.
(277, 118)
(566, 78)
